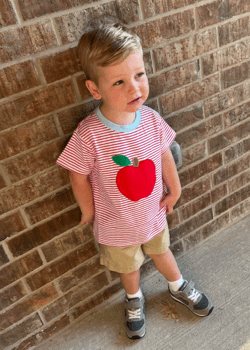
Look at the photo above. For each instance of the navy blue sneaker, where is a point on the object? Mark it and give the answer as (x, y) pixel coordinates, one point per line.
(135, 321)
(193, 299)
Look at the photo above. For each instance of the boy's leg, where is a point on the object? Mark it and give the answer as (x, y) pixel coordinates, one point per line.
(185, 293)
(166, 265)
(180, 289)
(128, 259)
(131, 281)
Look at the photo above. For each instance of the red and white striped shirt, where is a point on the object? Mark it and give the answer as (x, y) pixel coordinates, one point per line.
(127, 191)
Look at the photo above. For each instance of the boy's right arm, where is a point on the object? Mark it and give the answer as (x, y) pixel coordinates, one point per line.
(83, 194)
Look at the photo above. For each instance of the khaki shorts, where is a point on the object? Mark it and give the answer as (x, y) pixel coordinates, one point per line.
(130, 259)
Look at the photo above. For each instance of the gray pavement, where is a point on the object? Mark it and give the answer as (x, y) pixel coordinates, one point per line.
(219, 266)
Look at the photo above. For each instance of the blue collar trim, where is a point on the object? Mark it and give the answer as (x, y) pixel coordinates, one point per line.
(117, 127)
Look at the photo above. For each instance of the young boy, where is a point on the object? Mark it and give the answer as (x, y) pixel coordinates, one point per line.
(118, 158)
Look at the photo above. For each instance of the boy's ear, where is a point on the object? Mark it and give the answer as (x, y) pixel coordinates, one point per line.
(93, 89)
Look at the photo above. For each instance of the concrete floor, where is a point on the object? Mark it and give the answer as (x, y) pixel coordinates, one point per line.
(220, 267)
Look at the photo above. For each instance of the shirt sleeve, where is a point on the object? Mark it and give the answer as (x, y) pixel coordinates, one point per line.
(167, 135)
(77, 155)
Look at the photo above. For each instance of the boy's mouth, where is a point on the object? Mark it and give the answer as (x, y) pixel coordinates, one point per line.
(135, 100)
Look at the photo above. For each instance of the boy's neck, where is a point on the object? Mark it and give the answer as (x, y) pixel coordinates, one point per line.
(120, 118)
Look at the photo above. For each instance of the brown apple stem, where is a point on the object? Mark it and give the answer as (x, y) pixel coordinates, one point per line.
(135, 162)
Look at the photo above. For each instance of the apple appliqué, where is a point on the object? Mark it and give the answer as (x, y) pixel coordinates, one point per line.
(135, 181)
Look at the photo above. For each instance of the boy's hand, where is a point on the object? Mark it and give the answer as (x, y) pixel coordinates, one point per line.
(168, 202)
(87, 218)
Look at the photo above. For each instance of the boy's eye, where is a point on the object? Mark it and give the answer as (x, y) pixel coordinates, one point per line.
(140, 75)
(118, 82)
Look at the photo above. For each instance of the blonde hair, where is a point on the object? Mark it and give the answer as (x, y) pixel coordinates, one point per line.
(103, 47)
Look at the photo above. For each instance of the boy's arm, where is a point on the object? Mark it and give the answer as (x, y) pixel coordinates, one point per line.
(171, 179)
(83, 194)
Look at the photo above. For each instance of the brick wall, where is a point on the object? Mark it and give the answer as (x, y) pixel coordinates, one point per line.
(197, 56)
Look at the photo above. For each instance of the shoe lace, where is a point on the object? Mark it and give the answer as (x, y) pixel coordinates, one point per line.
(134, 314)
(194, 295)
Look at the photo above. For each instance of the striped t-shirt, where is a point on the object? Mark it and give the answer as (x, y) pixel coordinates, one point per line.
(125, 170)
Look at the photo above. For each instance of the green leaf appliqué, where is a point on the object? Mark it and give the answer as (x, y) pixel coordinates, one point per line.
(121, 160)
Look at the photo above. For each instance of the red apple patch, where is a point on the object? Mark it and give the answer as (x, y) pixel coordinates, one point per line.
(135, 181)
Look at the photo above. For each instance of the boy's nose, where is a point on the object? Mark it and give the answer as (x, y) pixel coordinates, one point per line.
(132, 87)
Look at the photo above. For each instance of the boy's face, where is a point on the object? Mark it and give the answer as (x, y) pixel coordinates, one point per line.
(123, 87)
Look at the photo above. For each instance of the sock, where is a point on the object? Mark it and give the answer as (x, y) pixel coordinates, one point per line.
(174, 286)
(136, 295)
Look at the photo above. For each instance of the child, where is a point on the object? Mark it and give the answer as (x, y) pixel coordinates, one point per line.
(118, 159)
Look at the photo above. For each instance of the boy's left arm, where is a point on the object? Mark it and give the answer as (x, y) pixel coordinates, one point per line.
(171, 179)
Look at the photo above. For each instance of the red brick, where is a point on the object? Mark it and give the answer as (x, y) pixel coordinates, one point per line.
(73, 25)
(30, 9)
(29, 190)
(231, 170)
(232, 200)
(35, 104)
(194, 154)
(201, 169)
(3, 257)
(11, 295)
(173, 219)
(207, 231)
(226, 57)
(239, 181)
(200, 132)
(50, 205)
(237, 115)
(181, 120)
(27, 306)
(227, 203)
(18, 78)
(96, 300)
(85, 94)
(161, 30)
(61, 266)
(218, 193)
(70, 241)
(2, 182)
(60, 65)
(21, 42)
(20, 331)
(227, 99)
(11, 225)
(74, 297)
(156, 7)
(27, 136)
(70, 118)
(154, 105)
(189, 95)
(185, 49)
(240, 210)
(80, 274)
(31, 163)
(194, 190)
(19, 268)
(7, 14)
(41, 336)
(237, 151)
(233, 31)
(44, 232)
(235, 75)
(171, 80)
(213, 13)
(148, 64)
(191, 225)
(239, 7)
(227, 138)
(193, 208)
